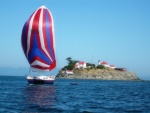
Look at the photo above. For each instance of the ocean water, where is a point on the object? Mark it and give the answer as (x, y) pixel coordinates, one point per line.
(74, 96)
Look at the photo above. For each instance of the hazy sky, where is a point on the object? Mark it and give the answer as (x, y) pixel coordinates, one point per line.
(115, 31)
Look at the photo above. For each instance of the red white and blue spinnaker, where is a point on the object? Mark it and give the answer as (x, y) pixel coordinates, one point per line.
(38, 43)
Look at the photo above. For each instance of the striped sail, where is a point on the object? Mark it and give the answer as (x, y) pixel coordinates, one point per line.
(38, 41)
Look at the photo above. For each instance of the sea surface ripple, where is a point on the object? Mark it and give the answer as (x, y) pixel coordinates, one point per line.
(74, 96)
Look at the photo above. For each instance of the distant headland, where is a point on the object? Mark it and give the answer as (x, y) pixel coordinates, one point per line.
(103, 71)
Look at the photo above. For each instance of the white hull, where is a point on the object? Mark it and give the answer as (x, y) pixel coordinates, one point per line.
(40, 79)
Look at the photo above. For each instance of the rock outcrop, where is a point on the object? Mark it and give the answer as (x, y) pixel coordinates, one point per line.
(101, 74)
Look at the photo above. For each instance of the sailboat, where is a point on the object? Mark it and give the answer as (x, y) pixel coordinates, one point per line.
(38, 43)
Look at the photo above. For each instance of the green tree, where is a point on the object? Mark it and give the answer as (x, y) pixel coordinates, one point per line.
(71, 63)
(69, 59)
(101, 67)
(90, 65)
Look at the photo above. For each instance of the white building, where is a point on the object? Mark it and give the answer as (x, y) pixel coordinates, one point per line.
(69, 72)
(105, 64)
(112, 66)
(80, 65)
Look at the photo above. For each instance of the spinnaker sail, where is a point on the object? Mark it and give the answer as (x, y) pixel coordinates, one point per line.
(38, 40)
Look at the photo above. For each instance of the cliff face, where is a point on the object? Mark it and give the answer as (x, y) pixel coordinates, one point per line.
(102, 74)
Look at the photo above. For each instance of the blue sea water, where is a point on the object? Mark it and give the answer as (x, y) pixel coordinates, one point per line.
(85, 96)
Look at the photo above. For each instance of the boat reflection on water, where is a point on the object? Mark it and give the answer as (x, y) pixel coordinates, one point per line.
(40, 96)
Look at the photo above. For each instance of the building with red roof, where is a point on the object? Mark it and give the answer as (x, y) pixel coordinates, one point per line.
(112, 66)
(105, 64)
(80, 65)
(69, 72)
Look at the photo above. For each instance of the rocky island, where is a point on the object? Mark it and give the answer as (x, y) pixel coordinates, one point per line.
(82, 70)
(101, 74)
